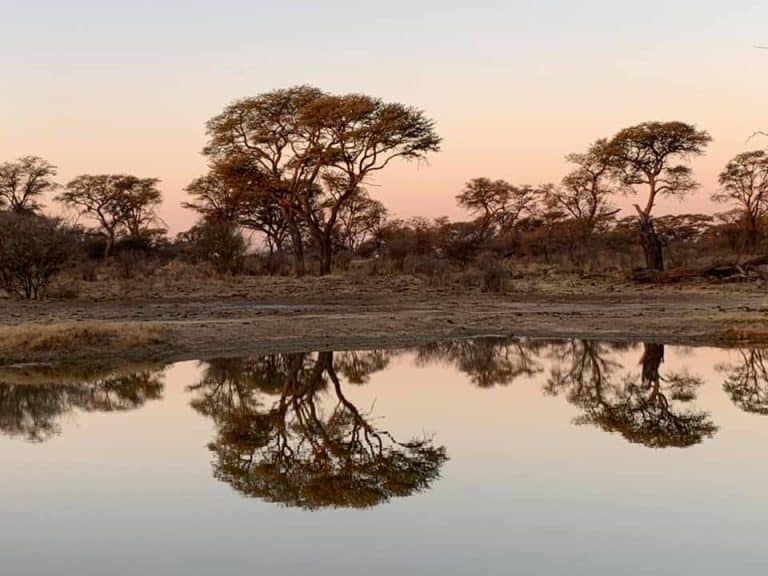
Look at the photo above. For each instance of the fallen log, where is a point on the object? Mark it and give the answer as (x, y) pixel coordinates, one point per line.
(723, 271)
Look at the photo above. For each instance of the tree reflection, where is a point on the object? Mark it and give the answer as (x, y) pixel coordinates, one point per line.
(357, 367)
(303, 442)
(649, 410)
(33, 401)
(488, 361)
(747, 380)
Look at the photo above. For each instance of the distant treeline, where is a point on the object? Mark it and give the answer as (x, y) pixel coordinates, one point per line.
(291, 168)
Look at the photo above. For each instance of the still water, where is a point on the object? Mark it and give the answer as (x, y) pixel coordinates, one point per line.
(493, 456)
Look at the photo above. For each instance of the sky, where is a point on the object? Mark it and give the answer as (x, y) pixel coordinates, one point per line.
(513, 86)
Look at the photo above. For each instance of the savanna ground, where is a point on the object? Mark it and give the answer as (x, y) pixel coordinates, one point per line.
(176, 316)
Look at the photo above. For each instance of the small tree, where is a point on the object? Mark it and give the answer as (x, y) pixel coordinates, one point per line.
(584, 193)
(23, 182)
(139, 201)
(744, 183)
(361, 219)
(219, 242)
(646, 155)
(238, 191)
(460, 242)
(33, 249)
(497, 204)
(118, 203)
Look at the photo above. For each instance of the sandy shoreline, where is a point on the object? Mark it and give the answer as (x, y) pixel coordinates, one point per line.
(266, 316)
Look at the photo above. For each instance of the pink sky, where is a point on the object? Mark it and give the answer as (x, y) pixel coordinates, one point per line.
(513, 87)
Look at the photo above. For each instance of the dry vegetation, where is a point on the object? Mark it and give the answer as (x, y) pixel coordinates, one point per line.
(73, 340)
(290, 251)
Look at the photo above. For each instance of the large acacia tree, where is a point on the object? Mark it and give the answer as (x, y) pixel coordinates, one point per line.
(319, 150)
(268, 128)
(652, 156)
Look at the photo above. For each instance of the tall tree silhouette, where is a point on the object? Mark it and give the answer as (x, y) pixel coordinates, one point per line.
(319, 150)
(650, 156)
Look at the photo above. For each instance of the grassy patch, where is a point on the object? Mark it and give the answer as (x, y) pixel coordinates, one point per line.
(31, 340)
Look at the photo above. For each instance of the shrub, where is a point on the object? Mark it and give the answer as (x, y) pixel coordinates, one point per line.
(219, 242)
(33, 249)
(494, 273)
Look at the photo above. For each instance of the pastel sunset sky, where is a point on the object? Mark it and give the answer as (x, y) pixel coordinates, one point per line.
(113, 86)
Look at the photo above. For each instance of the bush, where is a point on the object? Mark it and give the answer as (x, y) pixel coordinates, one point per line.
(33, 249)
(130, 262)
(219, 242)
(494, 273)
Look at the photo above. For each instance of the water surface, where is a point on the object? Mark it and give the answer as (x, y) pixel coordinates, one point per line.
(494, 456)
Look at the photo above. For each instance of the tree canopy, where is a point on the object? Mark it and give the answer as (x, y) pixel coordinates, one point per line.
(23, 182)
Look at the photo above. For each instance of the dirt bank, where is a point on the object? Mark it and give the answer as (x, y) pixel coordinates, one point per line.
(260, 315)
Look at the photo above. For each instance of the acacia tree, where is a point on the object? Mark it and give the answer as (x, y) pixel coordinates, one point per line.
(212, 197)
(497, 204)
(744, 182)
(361, 219)
(319, 150)
(237, 191)
(584, 194)
(268, 129)
(24, 181)
(647, 155)
(118, 203)
(361, 136)
(139, 201)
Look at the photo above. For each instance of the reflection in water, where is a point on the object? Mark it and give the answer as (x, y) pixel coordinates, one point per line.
(357, 367)
(34, 400)
(487, 361)
(747, 381)
(288, 434)
(649, 409)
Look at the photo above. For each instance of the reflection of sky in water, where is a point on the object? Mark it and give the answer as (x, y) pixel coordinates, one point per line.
(525, 490)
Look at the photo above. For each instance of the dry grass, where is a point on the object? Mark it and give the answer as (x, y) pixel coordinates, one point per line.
(33, 340)
(745, 336)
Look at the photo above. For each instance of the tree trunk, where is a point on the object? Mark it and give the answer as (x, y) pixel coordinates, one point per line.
(654, 256)
(653, 357)
(752, 233)
(298, 251)
(326, 254)
(108, 246)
